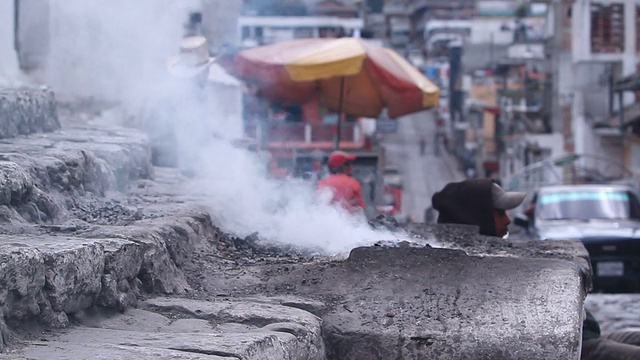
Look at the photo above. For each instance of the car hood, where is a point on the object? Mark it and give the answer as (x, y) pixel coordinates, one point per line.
(585, 230)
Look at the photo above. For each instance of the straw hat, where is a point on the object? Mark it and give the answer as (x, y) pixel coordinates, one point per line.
(192, 59)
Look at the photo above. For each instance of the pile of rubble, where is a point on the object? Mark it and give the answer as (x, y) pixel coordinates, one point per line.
(103, 255)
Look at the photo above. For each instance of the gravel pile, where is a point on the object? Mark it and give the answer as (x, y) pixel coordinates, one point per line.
(254, 250)
(107, 213)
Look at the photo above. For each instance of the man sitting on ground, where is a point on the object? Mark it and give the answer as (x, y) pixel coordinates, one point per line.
(479, 202)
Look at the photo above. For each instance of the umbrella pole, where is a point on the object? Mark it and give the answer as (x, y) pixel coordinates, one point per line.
(340, 114)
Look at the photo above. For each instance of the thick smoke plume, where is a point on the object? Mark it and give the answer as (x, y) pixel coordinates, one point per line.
(116, 50)
(8, 59)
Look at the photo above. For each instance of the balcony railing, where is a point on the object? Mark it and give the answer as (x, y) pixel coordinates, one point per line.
(308, 133)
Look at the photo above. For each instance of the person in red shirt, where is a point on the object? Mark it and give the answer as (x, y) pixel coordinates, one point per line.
(346, 190)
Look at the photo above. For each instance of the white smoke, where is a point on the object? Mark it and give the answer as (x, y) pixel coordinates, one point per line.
(113, 49)
(8, 58)
(116, 50)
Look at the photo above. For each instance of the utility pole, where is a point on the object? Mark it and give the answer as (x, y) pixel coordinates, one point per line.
(363, 13)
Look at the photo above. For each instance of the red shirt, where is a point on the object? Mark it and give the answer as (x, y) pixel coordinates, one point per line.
(346, 191)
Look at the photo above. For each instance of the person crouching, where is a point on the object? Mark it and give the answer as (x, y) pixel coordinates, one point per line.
(346, 191)
(479, 202)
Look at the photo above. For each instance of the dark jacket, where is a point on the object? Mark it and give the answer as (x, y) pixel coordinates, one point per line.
(467, 202)
(590, 327)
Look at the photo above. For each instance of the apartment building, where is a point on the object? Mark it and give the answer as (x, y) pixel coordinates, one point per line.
(406, 19)
(596, 43)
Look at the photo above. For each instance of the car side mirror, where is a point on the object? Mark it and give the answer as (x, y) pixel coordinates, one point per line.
(522, 220)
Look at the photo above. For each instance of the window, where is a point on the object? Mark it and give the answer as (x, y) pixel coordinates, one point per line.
(586, 205)
(303, 32)
(246, 32)
(607, 28)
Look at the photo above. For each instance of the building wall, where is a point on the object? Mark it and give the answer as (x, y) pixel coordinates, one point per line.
(486, 30)
(280, 28)
(581, 28)
(586, 64)
(8, 59)
(551, 142)
(220, 21)
(500, 30)
(632, 153)
(592, 82)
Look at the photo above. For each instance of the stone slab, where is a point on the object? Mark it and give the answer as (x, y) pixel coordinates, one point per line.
(495, 299)
(27, 110)
(79, 351)
(615, 312)
(425, 303)
(466, 238)
(188, 329)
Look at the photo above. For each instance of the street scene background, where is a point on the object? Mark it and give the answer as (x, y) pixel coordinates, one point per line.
(520, 82)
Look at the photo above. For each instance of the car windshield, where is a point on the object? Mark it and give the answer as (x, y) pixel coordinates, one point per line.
(586, 205)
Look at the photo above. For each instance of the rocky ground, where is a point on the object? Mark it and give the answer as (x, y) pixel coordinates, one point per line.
(105, 256)
(615, 312)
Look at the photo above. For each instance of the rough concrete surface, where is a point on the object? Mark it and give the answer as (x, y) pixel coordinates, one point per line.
(464, 237)
(93, 235)
(181, 327)
(615, 312)
(27, 110)
(423, 303)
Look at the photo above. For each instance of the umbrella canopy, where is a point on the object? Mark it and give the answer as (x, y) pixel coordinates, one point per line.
(349, 75)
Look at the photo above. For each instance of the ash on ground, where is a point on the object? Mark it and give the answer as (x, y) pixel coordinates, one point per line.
(110, 212)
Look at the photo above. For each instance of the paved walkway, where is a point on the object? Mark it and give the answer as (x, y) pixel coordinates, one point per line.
(423, 174)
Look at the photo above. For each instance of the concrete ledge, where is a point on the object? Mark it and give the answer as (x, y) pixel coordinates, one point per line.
(26, 111)
(263, 331)
(466, 238)
(424, 303)
(40, 175)
(65, 254)
(51, 277)
(402, 302)
(493, 300)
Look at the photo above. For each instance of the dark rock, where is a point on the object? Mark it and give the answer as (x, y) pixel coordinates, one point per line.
(73, 274)
(109, 292)
(143, 253)
(3, 333)
(384, 222)
(27, 110)
(22, 278)
(54, 319)
(427, 303)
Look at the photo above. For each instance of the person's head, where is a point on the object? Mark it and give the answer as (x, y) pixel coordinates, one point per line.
(479, 202)
(340, 162)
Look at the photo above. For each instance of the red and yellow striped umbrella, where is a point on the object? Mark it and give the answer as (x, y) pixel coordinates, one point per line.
(349, 75)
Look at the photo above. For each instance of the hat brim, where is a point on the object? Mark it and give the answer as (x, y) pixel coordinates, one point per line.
(176, 68)
(509, 200)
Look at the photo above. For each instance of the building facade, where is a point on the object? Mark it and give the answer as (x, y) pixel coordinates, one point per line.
(597, 42)
(263, 30)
